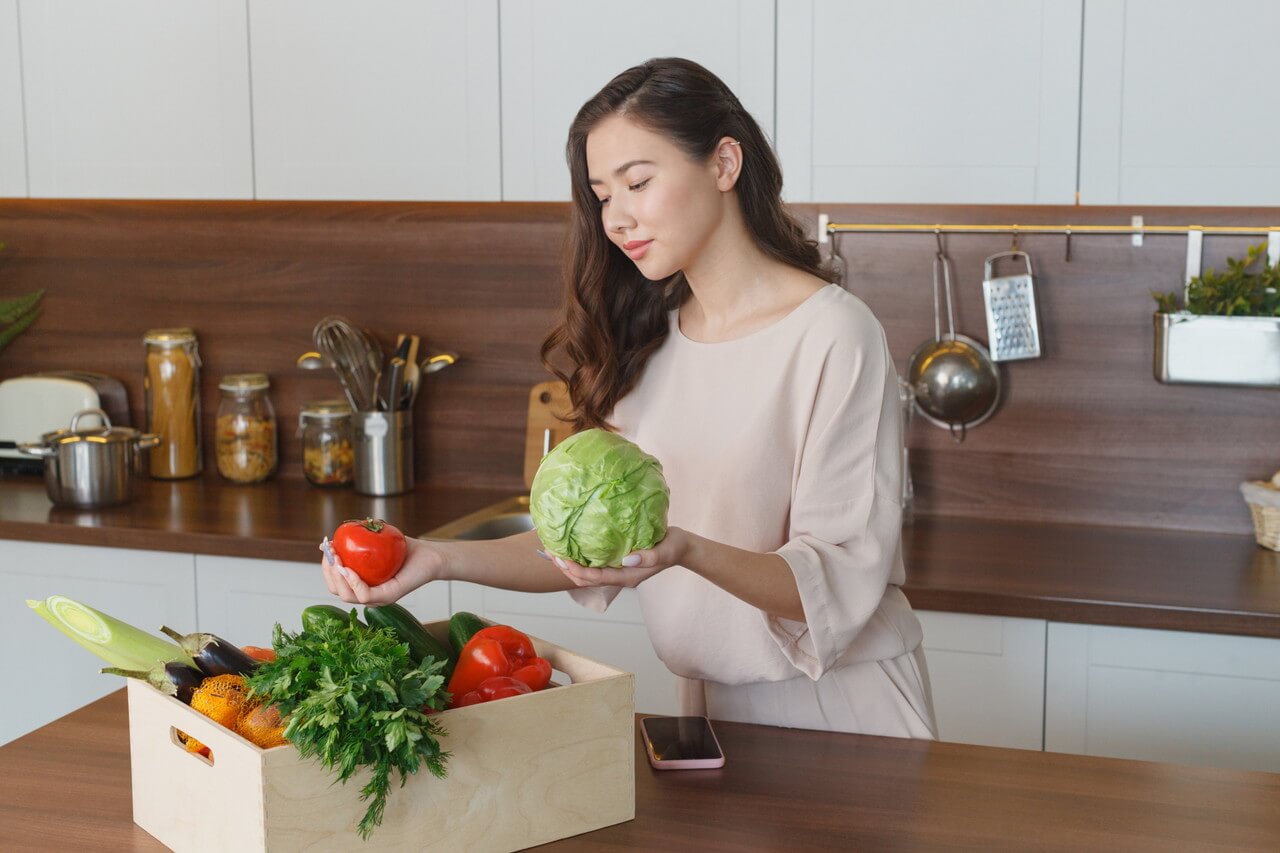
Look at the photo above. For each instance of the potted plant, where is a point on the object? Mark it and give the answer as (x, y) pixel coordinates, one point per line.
(1226, 331)
(17, 314)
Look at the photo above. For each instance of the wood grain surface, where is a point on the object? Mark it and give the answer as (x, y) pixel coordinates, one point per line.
(66, 786)
(1084, 435)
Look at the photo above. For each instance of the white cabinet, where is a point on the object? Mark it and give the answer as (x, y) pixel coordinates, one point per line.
(616, 637)
(987, 674)
(13, 145)
(1177, 110)
(1205, 699)
(929, 101)
(390, 99)
(242, 599)
(137, 99)
(49, 674)
(556, 55)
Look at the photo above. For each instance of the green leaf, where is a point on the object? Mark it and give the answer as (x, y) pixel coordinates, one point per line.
(355, 701)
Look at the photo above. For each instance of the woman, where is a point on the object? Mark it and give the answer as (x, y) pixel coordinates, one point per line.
(700, 324)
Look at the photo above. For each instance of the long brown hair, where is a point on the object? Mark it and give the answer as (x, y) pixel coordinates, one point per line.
(614, 317)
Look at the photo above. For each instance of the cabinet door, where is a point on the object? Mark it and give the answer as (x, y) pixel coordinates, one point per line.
(13, 146)
(390, 99)
(137, 99)
(556, 55)
(1155, 131)
(49, 674)
(617, 637)
(242, 599)
(929, 101)
(987, 674)
(1204, 699)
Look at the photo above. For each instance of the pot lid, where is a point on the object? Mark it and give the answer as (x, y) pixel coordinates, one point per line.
(103, 434)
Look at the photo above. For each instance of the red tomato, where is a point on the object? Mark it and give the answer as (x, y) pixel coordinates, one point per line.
(371, 548)
(260, 653)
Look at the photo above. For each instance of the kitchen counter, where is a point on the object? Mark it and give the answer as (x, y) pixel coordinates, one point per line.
(67, 786)
(1102, 575)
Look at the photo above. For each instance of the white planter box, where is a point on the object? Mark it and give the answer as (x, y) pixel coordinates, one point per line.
(1203, 349)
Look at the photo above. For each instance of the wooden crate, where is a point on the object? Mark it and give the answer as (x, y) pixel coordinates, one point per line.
(524, 771)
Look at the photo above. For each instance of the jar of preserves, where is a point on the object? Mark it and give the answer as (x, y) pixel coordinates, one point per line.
(172, 386)
(246, 429)
(327, 456)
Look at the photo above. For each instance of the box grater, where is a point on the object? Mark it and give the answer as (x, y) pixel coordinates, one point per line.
(1012, 327)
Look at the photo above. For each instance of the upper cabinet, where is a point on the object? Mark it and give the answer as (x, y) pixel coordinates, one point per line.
(13, 153)
(1177, 109)
(929, 101)
(388, 100)
(136, 98)
(556, 55)
(1099, 102)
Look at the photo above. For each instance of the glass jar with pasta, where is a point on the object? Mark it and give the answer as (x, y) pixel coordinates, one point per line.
(172, 386)
(245, 443)
(327, 456)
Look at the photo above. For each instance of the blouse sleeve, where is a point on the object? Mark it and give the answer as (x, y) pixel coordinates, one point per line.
(844, 535)
(595, 598)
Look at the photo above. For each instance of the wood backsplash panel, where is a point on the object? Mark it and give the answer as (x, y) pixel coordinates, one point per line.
(1085, 434)
(254, 277)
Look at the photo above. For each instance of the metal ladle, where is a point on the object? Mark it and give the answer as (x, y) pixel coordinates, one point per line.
(955, 383)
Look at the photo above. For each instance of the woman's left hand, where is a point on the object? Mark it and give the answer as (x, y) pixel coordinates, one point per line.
(636, 567)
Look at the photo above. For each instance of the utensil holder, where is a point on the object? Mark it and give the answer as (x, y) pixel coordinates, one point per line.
(383, 463)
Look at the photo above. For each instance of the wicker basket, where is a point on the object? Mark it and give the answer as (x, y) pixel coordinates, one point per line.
(1264, 502)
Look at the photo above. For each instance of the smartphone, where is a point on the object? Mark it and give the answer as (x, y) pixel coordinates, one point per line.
(681, 743)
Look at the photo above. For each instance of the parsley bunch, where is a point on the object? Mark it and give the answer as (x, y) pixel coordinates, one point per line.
(353, 696)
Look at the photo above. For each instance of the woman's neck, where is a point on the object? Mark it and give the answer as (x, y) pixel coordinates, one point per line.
(737, 288)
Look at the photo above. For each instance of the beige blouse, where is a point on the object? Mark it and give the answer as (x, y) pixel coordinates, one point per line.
(787, 440)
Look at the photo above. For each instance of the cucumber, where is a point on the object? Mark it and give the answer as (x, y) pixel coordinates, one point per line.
(325, 612)
(462, 627)
(406, 626)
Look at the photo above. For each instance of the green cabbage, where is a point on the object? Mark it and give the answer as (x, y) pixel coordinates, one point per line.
(597, 497)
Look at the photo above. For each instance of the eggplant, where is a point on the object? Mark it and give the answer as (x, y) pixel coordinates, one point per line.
(172, 679)
(212, 654)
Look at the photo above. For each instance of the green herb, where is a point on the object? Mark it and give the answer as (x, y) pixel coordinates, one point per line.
(354, 697)
(1234, 293)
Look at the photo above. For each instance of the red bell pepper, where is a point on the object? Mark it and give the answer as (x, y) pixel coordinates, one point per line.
(498, 687)
(496, 651)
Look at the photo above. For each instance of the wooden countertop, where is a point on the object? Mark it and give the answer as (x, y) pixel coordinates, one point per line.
(1103, 575)
(66, 786)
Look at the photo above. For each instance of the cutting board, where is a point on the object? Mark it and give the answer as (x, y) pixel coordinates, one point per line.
(549, 404)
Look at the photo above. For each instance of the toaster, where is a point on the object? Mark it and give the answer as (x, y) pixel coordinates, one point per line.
(31, 406)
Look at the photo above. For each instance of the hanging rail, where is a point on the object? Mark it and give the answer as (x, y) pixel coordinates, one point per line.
(1136, 229)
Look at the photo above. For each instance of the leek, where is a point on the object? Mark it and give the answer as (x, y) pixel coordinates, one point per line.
(118, 643)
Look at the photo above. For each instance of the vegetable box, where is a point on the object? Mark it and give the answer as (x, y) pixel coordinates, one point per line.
(523, 771)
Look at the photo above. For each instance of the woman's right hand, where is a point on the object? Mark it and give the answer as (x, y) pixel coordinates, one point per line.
(422, 563)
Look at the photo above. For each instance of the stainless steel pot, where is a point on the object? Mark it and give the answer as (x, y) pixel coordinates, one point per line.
(98, 466)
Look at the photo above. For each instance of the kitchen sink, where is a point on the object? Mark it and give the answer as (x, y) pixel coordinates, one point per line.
(496, 521)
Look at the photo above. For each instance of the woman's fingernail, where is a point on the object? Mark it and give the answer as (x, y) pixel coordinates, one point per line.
(541, 553)
(631, 560)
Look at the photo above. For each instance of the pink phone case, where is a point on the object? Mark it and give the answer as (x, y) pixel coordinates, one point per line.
(684, 763)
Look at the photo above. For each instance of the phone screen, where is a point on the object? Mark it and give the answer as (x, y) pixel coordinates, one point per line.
(681, 738)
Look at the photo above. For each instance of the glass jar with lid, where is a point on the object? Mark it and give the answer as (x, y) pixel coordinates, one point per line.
(172, 386)
(246, 429)
(327, 455)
